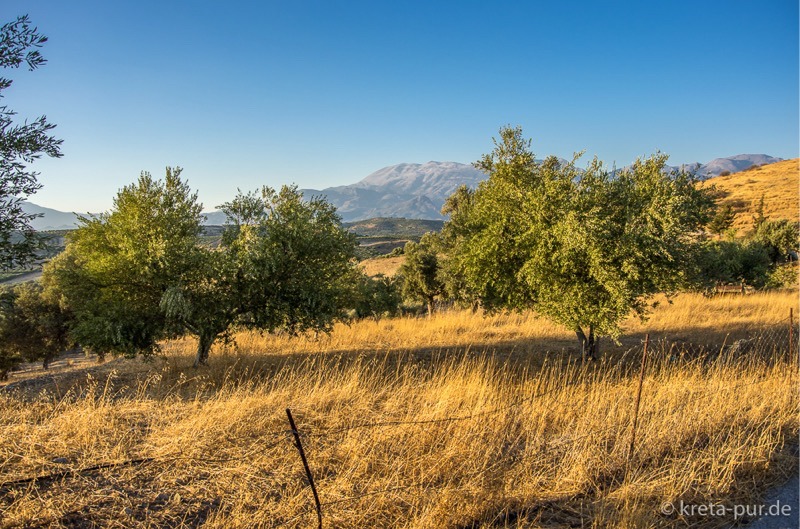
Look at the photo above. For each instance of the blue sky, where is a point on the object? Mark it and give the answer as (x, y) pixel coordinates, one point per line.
(244, 94)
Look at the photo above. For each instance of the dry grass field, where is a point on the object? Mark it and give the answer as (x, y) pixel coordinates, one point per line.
(387, 266)
(778, 183)
(458, 421)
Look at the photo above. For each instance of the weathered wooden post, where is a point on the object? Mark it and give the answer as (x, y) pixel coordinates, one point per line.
(791, 334)
(638, 400)
(299, 446)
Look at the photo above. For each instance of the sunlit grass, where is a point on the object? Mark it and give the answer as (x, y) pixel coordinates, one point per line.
(537, 442)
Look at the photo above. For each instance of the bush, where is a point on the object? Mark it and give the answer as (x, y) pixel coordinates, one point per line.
(731, 262)
(781, 238)
(378, 296)
(784, 276)
(33, 326)
(396, 252)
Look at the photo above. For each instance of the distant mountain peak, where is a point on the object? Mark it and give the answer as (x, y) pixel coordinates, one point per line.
(734, 164)
(435, 180)
(412, 190)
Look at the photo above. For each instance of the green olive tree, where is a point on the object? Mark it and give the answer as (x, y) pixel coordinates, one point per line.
(20, 145)
(141, 273)
(117, 267)
(584, 248)
(33, 325)
(420, 272)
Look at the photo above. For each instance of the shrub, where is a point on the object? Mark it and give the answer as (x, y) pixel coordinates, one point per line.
(377, 297)
(731, 262)
(784, 276)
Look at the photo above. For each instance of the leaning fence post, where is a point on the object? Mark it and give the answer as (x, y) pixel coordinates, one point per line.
(638, 400)
(299, 446)
(791, 334)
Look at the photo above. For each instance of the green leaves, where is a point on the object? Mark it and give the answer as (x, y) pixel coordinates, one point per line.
(141, 273)
(117, 268)
(420, 271)
(296, 262)
(584, 248)
(33, 325)
(20, 145)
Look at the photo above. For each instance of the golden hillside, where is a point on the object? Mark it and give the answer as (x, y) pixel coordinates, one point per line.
(387, 266)
(778, 183)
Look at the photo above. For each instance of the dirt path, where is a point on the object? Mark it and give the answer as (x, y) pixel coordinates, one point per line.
(786, 495)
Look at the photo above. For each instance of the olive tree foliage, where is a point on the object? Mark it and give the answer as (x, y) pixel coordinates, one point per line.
(20, 145)
(780, 238)
(117, 267)
(420, 272)
(584, 248)
(295, 263)
(462, 224)
(763, 259)
(33, 325)
(141, 273)
(726, 262)
(722, 220)
(377, 297)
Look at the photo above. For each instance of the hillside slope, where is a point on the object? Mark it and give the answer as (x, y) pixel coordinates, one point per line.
(778, 183)
(393, 227)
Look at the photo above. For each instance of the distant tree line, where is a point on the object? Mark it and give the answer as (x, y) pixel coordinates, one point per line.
(584, 248)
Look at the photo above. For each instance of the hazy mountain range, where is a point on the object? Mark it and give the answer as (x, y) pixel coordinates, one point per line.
(417, 191)
(409, 190)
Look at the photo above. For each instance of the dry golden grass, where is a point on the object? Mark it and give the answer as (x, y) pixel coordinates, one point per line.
(387, 266)
(779, 183)
(689, 317)
(533, 445)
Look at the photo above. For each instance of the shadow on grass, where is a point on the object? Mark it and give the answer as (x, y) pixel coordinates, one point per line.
(172, 374)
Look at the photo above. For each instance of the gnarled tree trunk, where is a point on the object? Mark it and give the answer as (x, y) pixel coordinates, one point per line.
(590, 344)
(204, 343)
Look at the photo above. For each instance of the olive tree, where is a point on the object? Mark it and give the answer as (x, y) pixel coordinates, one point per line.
(462, 224)
(285, 264)
(117, 267)
(377, 296)
(584, 248)
(142, 273)
(419, 272)
(33, 325)
(780, 238)
(20, 145)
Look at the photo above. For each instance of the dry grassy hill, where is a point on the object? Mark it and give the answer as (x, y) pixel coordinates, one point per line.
(779, 184)
(387, 266)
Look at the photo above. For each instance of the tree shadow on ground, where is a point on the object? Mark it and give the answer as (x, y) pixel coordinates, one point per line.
(173, 374)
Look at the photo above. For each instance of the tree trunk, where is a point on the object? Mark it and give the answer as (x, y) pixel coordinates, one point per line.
(204, 344)
(590, 345)
(430, 307)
